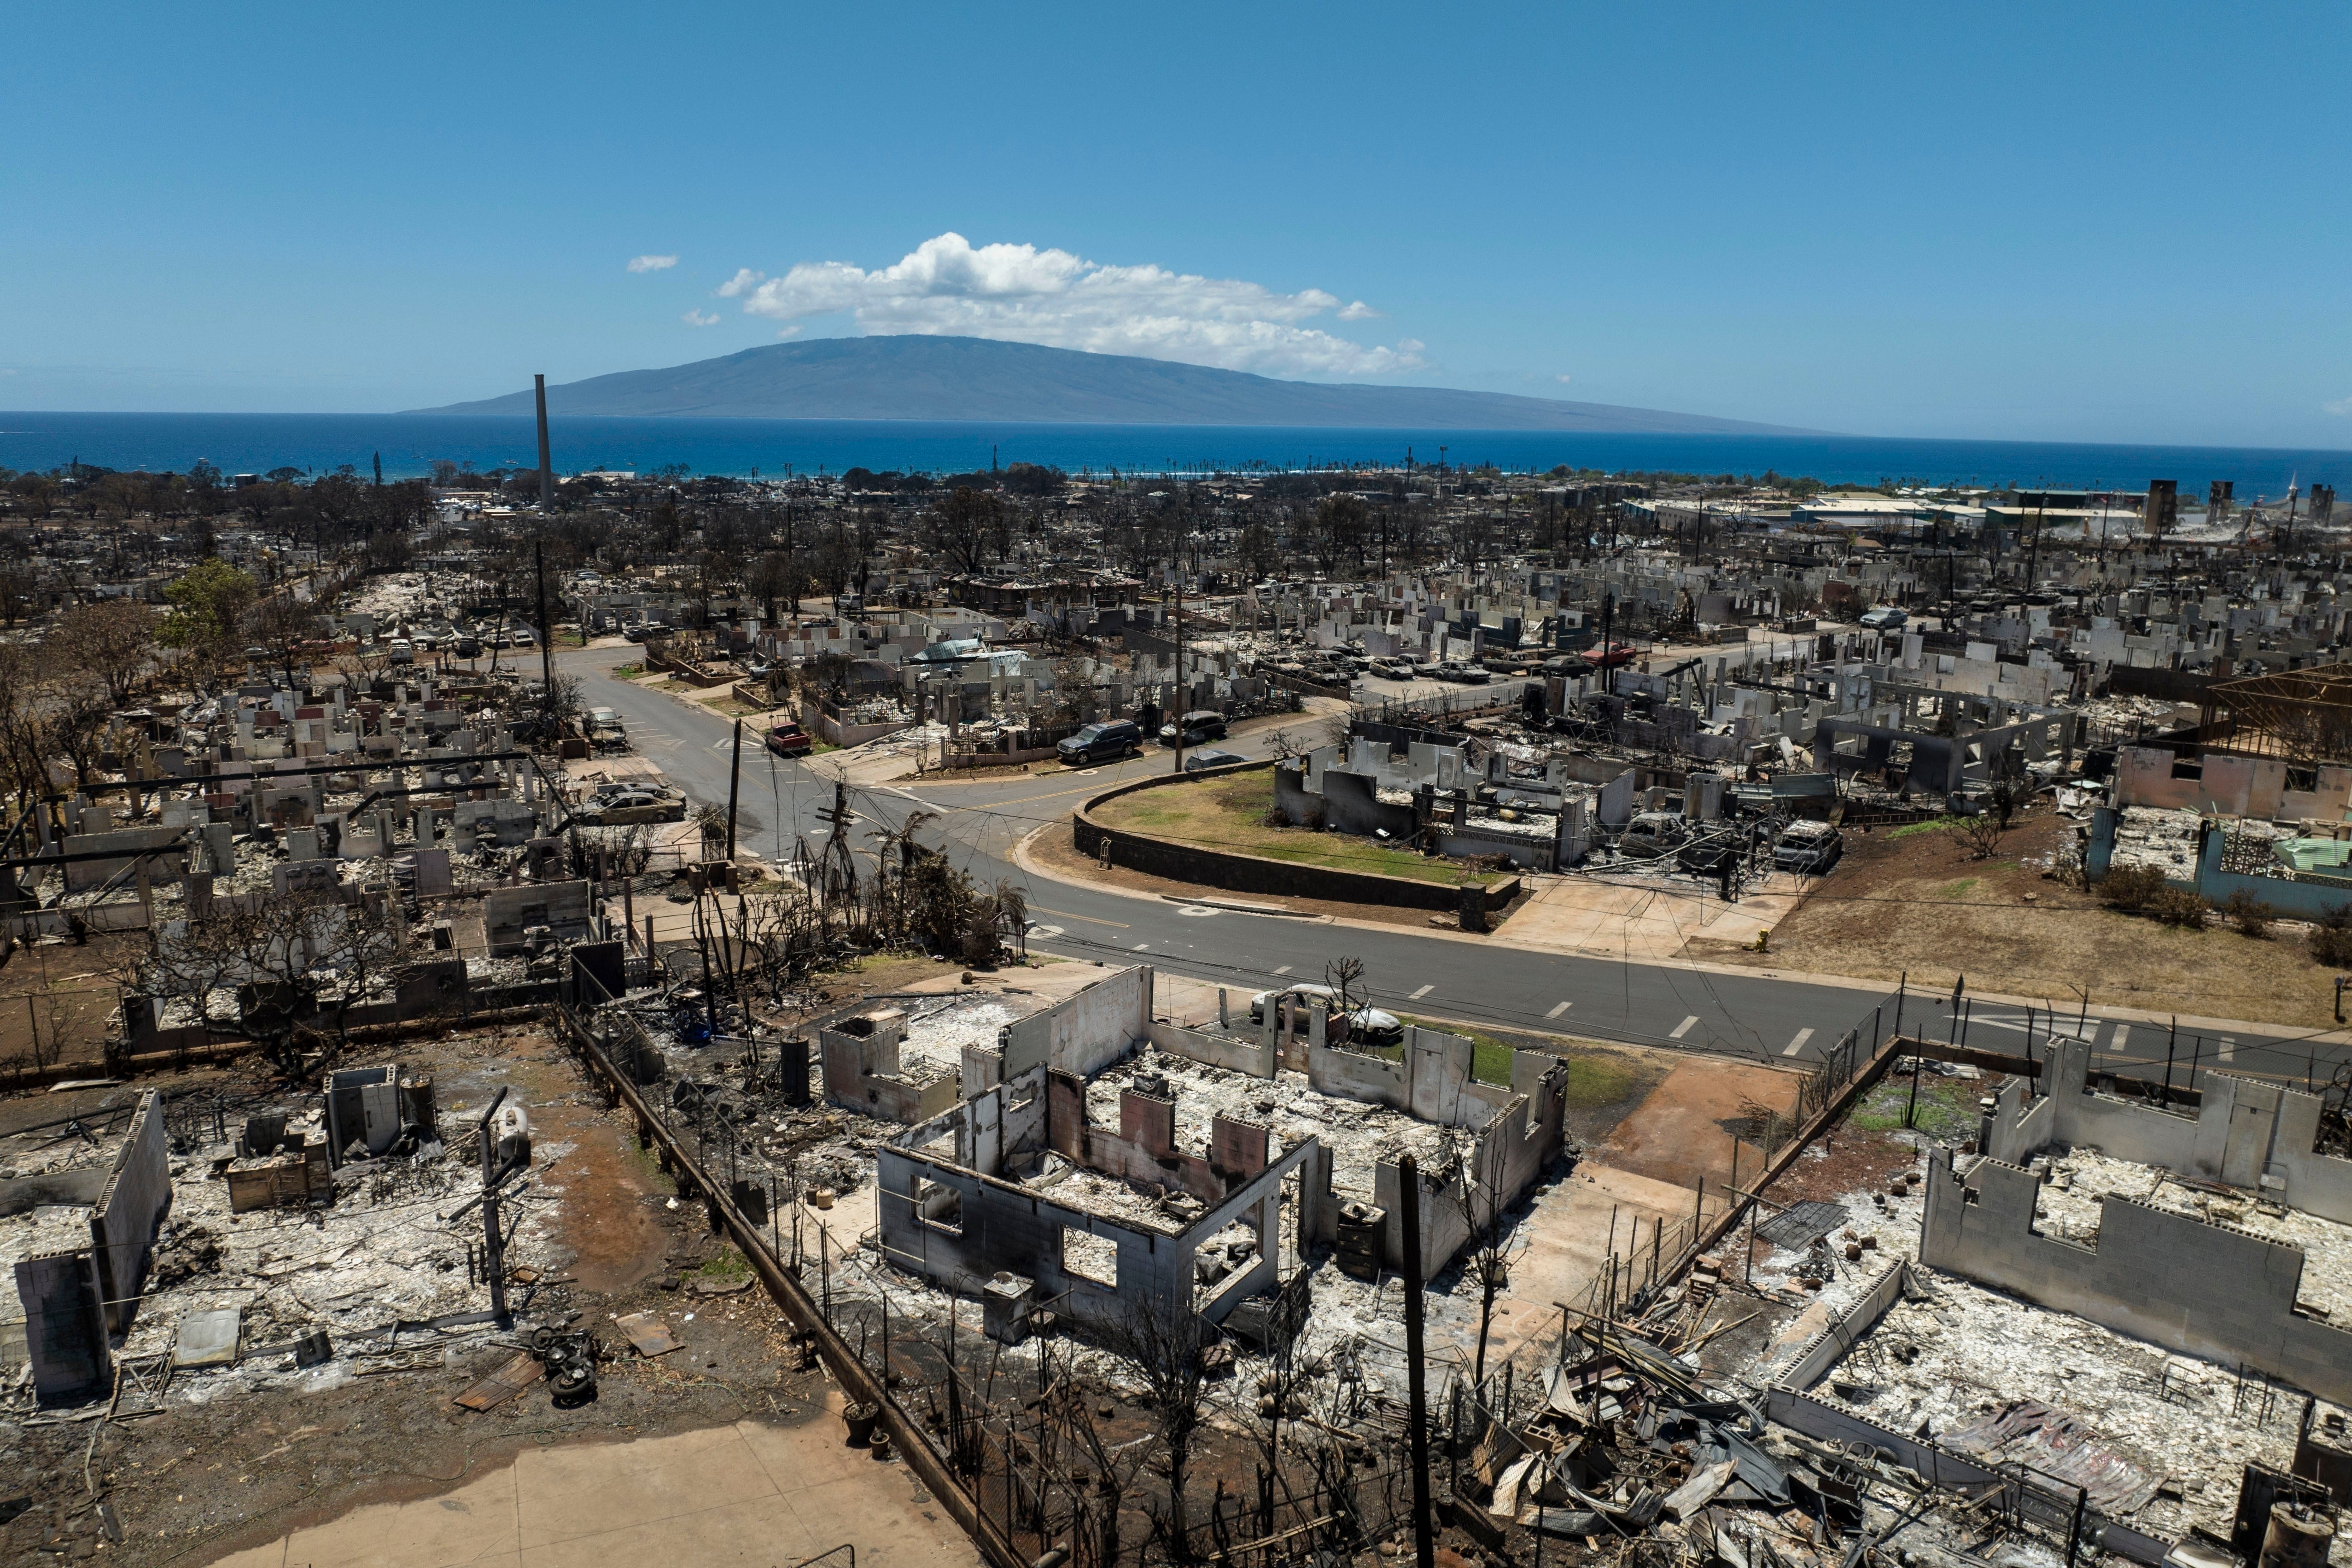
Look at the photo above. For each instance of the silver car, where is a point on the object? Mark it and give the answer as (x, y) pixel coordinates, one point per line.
(1366, 1026)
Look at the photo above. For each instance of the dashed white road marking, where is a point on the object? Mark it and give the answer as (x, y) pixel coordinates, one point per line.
(1421, 992)
(2229, 1049)
(1683, 1027)
(2123, 1033)
(1797, 1044)
(1558, 1010)
(1141, 945)
(1283, 970)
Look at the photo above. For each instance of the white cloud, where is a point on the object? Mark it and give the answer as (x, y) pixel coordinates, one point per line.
(1359, 312)
(1020, 293)
(2340, 408)
(699, 318)
(1563, 380)
(742, 283)
(651, 263)
(795, 329)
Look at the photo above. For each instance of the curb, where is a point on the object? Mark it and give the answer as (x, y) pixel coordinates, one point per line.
(1242, 909)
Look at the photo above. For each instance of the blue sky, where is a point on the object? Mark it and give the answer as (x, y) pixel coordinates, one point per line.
(2070, 221)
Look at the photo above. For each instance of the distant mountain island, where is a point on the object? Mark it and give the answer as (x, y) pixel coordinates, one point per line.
(942, 378)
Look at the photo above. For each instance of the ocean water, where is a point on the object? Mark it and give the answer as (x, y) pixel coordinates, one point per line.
(410, 443)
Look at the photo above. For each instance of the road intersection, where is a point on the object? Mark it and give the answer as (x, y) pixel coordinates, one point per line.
(1683, 1005)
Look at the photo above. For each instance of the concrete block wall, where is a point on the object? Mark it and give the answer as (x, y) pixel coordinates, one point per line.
(1086, 1032)
(862, 1071)
(1230, 1053)
(998, 1226)
(1512, 1150)
(65, 1327)
(2245, 1133)
(136, 1196)
(2204, 1289)
(1144, 1148)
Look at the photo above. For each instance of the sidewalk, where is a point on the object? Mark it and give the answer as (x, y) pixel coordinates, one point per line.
(1931, 1002)
(745, 1493)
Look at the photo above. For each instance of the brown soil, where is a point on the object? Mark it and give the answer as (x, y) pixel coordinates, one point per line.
(1682, 1130)
(605, 1221)
(1052, 848)
(61, 997)
(1920, 906)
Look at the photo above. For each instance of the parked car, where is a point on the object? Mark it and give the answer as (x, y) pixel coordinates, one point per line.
(1807, 848)
(1885, 617)
(1566, 664)
(790, 741)
(1650, 834)
(1103, 743)
(1199, 727)
(1611, 657)
(401, 651)
(1462, 674)
(1209, 757)
(1367, 1025)
(467, 648)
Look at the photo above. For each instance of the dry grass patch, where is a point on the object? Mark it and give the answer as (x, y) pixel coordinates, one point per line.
(1231, 813)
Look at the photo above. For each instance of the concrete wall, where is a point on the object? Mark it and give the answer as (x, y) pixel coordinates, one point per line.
(1086, 1032)
(1235, 1054)
(1144, 1148)
(137, 1195)
(1351, 806)
(997, 1225)
(507, 912)
(2294, 895)
(2245, 1132)
(2208, 1290)
(86, 874)
(65, 1327)
(2232, 786)
(863, 1073)
(1509, 1153)
(1254, 874)
(834, 732)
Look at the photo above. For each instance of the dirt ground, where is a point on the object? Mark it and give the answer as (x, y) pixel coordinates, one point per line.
(218, 1474)
(56, 998)
(1917, 903)
(1684, 1128)
(207, 1479)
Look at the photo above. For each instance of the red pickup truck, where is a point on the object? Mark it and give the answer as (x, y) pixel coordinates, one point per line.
(790, 741)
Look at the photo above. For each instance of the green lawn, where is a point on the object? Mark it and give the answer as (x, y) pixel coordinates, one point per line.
(1593, 1081)
(1231, 814)
(1948, 1106)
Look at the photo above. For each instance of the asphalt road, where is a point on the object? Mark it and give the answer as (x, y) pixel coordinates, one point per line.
(1758, 1016)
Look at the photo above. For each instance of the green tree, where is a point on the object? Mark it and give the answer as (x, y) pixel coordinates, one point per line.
(205, 605)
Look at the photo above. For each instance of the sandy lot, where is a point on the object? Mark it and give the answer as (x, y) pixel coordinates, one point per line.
(1917, 903)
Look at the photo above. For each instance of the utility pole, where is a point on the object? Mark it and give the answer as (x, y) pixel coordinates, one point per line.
(546, 641)
(494, 1245)
(1424, 1533)
(1179, 670)
(546, 469)
(734, 777)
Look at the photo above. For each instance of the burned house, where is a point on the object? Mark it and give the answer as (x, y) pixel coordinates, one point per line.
(1100, 1159)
